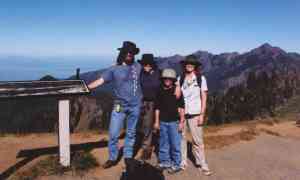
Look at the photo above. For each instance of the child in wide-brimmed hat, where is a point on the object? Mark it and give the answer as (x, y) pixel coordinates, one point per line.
(169, 119)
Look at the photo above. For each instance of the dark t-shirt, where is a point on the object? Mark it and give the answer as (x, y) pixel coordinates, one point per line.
(150, 83)
(167, 103)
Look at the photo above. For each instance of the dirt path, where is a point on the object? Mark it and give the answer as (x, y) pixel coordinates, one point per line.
(266, 157)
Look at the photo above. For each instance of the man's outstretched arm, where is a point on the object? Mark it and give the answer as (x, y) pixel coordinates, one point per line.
(96, 83)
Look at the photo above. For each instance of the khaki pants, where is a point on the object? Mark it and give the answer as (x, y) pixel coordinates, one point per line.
(197, 143)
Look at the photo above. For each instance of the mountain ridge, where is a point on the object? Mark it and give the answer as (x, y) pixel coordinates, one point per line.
(228, 69)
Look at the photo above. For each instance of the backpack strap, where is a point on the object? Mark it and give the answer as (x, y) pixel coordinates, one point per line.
(199, 80)
(181, 79)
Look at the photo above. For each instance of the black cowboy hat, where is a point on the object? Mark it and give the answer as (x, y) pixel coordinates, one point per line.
(129, 46)
(147, 59)
(191, 59)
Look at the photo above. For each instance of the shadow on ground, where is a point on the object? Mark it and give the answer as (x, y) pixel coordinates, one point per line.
(31, 154)
(143, 170)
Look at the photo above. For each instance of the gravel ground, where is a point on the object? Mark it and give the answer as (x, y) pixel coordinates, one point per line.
(267, 157)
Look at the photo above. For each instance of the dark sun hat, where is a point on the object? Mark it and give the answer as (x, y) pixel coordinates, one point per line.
(147, 59)
(191, 59)
(129, 46)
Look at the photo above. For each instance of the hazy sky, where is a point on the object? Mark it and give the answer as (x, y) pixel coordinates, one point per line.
(164, 27)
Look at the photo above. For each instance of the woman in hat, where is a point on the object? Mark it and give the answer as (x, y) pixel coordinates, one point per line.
(194, 90)
(150, 83)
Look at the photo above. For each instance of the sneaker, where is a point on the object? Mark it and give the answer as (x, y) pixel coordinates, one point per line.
(109, 164)
(183, 166)
(174, 170)
(162, 167)
(206, 172)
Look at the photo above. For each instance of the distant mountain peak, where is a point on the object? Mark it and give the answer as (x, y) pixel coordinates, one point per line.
(177, 56)
(267, 49)
(266, 45)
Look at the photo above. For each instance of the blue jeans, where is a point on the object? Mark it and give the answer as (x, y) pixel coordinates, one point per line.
(131, 113)
(169, 145)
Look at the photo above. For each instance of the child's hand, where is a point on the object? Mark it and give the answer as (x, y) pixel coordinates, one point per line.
(177, 92)
(156, 126)
(180, 126)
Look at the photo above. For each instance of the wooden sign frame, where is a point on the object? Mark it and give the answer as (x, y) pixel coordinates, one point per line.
(61, 89)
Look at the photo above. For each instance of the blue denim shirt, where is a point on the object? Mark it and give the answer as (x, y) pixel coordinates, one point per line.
(126, 83)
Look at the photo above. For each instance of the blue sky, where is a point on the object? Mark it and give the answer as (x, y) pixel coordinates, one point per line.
(163, 27)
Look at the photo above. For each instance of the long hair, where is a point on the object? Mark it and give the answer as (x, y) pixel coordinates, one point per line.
(121, 57)
(197, 71)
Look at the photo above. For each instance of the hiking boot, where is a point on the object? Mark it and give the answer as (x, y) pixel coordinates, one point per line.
(174, 170)
(109, 164)
(146, 154)
(130, 165)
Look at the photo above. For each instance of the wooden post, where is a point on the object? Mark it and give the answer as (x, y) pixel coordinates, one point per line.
(64, 132)
(78, 73)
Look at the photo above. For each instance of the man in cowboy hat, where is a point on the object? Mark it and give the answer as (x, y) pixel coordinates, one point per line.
(194, 90)
(150, 82)
(128, 46)
(125, 78)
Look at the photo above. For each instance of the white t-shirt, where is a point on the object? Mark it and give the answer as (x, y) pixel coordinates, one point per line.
(192, 96)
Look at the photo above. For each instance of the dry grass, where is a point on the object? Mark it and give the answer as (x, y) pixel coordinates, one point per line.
(220, 141)
(268, 122)
(84, 135)
(267, 131)
(81, 163)
(212, 129)
(13, 135)
(291, 110)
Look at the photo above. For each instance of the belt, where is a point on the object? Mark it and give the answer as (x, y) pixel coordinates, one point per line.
(148, 99)
(190, 116)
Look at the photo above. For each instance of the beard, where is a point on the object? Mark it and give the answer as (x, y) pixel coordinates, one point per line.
(122, 58)
(129, 61)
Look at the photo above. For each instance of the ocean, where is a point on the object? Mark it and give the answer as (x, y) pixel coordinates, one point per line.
(24, 68)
